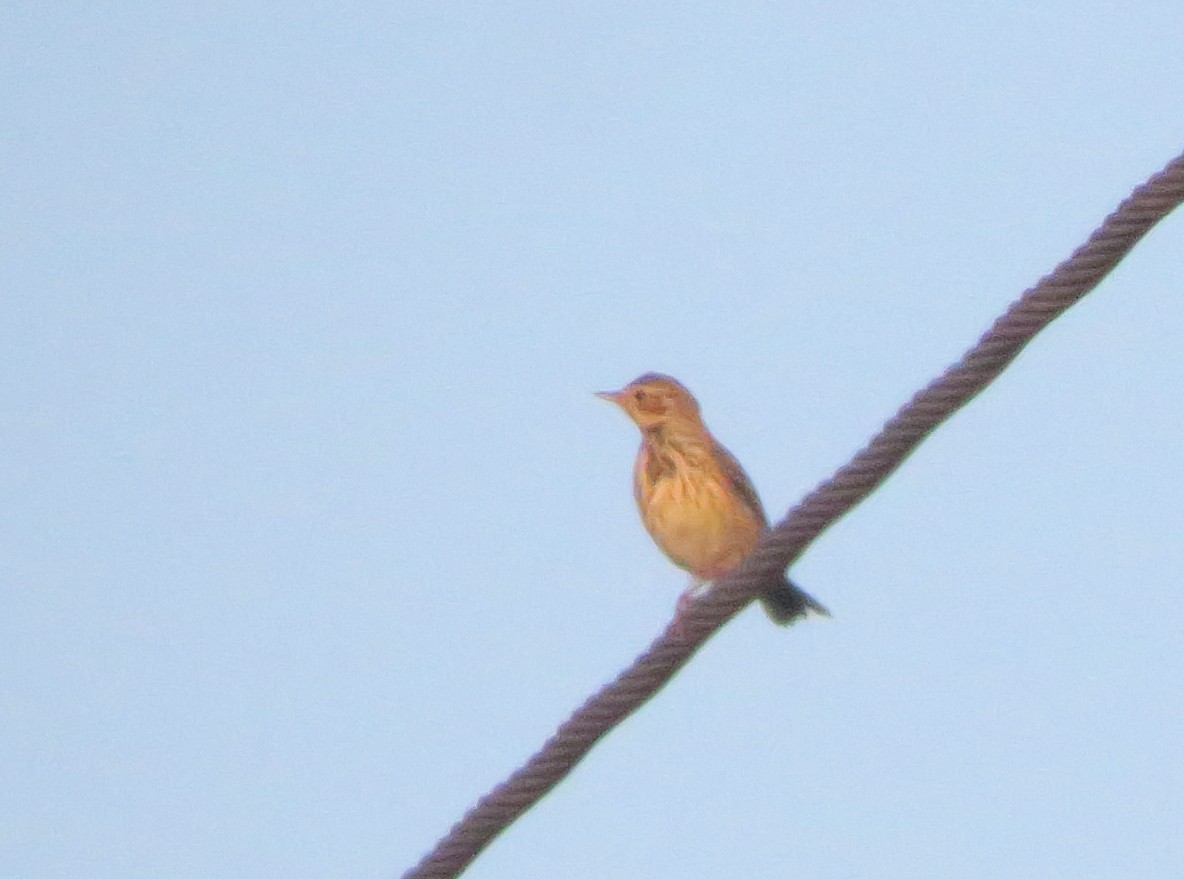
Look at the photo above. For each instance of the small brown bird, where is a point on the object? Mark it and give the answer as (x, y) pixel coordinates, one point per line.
(695, 499)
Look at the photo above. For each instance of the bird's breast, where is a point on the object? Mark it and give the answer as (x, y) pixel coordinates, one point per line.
(694, 518)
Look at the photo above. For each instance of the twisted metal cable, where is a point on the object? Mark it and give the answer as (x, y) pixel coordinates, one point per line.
(833, 498)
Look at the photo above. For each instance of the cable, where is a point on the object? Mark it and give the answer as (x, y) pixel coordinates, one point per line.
(820, 509)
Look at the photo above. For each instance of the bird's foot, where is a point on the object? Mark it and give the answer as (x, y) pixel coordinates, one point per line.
(694, 591)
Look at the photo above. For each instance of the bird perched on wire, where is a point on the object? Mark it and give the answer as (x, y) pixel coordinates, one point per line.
(695, 499)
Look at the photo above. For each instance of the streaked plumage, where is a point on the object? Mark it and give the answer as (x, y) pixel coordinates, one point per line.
(695, 499)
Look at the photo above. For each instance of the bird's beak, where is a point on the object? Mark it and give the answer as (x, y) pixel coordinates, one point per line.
(611, 396)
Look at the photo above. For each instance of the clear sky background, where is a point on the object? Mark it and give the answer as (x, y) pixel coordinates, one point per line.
(312, 529)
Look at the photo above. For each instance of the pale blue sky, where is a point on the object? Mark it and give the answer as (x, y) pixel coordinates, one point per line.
(313, 530)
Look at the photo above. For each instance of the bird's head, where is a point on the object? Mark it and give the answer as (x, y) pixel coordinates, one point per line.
(655, 400)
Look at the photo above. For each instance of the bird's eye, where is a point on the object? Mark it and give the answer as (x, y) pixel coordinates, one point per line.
(639, 395)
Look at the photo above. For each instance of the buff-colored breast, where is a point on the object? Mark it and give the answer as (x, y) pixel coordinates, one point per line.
(699, 525)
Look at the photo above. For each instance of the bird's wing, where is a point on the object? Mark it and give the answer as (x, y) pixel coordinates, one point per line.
(742, 485)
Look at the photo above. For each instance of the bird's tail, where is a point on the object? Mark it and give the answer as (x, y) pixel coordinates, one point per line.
(786, 602)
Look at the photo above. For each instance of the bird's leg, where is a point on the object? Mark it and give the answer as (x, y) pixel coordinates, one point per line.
(695, 590)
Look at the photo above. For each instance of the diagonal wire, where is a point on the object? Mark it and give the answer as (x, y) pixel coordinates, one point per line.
(833, 498)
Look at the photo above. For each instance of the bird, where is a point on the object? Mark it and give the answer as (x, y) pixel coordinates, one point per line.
(695, 499)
